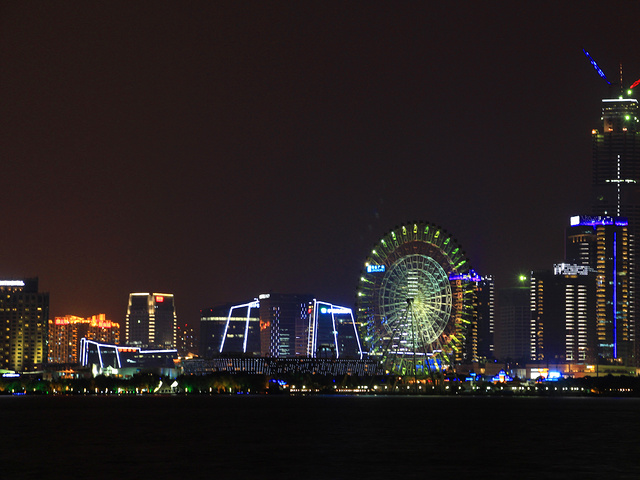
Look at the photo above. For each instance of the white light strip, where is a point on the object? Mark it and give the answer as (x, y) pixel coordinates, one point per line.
(11, 283)
(254, 304)
(250, 305)
(335, 332)
(355, 331)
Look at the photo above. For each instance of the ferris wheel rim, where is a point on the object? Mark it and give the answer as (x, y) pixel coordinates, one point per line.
(429, 262)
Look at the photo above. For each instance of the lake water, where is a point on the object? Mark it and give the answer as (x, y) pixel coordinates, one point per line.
(319, 437)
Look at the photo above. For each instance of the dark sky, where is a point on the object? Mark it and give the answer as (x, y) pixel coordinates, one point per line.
(222, 150)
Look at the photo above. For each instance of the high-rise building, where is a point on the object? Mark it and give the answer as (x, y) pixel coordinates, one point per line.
(151, 320)
(603, 243)
(24, 314)
(513, 324)
(563, 311)
(486, 308)
(66, 332)
(616, 192)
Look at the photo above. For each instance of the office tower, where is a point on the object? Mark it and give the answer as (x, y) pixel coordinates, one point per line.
(66, 332)
(151, 320)
(332, 332)
(23, 313)
(616, 193)
(563, 310)
(485, 294)
(603, 243)
(512, 332)
(241, 325)
(284, 324)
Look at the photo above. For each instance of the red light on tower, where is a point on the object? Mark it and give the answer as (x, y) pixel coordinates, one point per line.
(159, 299)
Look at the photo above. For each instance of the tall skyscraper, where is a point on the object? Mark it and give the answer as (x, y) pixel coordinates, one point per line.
(603, 244)
(24, 316)
(151, 320)
(616, 187)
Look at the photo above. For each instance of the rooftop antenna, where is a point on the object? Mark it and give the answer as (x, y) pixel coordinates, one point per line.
(621, 84)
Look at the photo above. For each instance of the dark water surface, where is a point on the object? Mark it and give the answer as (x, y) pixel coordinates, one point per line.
(319, 437)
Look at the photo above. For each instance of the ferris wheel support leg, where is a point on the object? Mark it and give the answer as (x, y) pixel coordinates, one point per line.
(385, 351)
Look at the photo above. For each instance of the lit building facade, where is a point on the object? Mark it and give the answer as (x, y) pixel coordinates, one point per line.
(284, 324)
(486, 311)
(65, 334)
(616, 193)
(604, 244)
(151, 320)
(280, 326)
(24, 315)
(563, 308)
(282, 366)
(512, 332)
(333, 332)
(230, 330)
(125, 360)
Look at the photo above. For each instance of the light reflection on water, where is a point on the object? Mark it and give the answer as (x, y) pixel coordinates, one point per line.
(320, 437)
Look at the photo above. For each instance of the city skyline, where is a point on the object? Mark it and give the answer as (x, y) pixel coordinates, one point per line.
(220, 151)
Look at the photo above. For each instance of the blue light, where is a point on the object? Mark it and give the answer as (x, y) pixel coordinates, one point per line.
(553, 376)
(615, 300)
(472, 276)
(595, 65)
(375, 268)
(594, 221)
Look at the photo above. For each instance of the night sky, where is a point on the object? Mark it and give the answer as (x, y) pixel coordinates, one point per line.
(222, 150)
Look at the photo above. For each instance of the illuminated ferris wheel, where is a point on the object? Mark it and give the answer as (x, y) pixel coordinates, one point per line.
(415, 300)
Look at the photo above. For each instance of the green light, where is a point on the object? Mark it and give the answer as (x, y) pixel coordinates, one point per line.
(629, 92)
(627, 117)
(522, 278)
